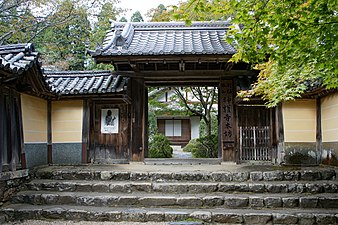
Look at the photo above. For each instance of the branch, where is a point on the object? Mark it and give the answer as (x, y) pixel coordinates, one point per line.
(180, 95)
(212, 99)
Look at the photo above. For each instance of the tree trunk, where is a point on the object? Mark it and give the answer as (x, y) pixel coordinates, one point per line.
(207, 120)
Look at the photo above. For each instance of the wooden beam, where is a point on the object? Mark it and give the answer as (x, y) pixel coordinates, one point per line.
(49, 133)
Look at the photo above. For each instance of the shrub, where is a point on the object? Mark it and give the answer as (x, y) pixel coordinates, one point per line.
(159, 147)
(204, 147)
(193, 143)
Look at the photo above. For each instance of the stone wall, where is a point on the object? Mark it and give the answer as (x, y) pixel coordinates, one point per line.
(11, 182)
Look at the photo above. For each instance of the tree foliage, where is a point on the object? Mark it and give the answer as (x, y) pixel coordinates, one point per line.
(190, 11)
(64, 45)
(160, 14)
(204, 147)
(136, 17)
(60, 29)
(160, 147)
(123, 19)
(293, 43)
(23, 20)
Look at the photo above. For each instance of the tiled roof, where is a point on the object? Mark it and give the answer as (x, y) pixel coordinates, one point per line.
(165, 38)
(17, 58)
(85, 82)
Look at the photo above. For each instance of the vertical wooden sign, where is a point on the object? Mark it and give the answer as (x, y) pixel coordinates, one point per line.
(227, 115)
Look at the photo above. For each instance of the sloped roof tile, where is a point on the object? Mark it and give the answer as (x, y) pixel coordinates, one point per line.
(85, 82)
(17, 58)
(165, 38)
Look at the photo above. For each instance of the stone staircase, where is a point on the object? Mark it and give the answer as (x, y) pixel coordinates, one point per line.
(246, 197)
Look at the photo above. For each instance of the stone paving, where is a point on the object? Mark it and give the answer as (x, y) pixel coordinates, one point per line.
(178, 153)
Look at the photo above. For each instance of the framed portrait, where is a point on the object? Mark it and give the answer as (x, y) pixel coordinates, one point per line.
(109, 121)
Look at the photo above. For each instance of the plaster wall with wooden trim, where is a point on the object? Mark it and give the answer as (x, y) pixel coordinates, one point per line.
(34, 119)
(67, 117)
(329, 122)
(299, 118)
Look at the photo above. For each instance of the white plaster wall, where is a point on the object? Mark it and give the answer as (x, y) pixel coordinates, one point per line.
(195, 126)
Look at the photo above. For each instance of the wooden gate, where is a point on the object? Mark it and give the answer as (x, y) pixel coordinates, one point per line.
(255, 133)
(110, 134)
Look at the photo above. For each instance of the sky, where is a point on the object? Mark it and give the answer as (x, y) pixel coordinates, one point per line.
(143, 6)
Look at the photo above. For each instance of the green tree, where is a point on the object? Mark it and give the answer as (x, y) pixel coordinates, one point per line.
(190, 11)
(24, 20)
(293, 43)
(136, 17)
(60, 29)
(108, 13)
(64, 45)
(158, 14)
(123, 19)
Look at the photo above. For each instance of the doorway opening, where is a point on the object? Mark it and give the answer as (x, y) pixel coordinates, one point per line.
(184, 118)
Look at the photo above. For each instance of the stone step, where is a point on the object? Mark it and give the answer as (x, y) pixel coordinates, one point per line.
(215, 215)
(81, 173)
(184, 187)
(206, 200)
(185, 161)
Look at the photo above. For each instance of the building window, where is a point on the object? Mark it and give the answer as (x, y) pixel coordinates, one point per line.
(173, 128)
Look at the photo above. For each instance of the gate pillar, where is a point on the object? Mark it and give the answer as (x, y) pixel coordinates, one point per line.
(227, 132)
(138, 92)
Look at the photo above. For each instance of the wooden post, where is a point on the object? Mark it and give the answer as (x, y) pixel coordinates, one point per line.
(137, 119)
(49, 133)
(85, 130)
(12, 146)
(20, 138)
(227, 120)
(319, 129)
(280, 134)
(146, 129)
(2, 119)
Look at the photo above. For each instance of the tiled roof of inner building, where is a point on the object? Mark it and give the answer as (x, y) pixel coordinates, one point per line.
(85, 82)
(17, 58)
(165, 38)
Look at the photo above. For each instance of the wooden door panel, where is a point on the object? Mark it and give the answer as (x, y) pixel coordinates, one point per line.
(111, 147)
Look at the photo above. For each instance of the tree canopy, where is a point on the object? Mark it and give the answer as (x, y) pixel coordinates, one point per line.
(59, 29)
(136, 17)
(293, 43)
